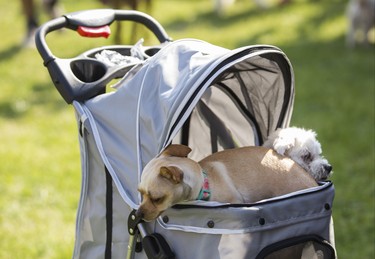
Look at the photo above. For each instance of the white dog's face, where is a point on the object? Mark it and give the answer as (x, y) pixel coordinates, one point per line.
(303, 147)
(307, 152)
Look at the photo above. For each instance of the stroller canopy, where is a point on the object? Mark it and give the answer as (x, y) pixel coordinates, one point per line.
(193, 93)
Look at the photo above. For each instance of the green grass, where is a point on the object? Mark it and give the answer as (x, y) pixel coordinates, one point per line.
(39, 156)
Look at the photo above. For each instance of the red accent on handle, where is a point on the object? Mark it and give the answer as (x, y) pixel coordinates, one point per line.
(94, 32)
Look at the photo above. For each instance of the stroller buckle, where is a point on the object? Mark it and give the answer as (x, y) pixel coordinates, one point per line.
(154, 245)
(133, 222)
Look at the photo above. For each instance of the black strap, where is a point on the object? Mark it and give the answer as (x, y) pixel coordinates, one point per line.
(185, 131)
(218, 131)
(109, 214)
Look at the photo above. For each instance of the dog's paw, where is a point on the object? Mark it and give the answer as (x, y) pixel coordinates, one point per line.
(282, 144)
(282, 147)
(281, 141)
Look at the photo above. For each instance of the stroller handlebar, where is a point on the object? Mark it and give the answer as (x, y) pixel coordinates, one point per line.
(94, 19)
(84, 77)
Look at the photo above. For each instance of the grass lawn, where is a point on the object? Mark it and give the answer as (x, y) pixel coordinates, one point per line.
(39, 156)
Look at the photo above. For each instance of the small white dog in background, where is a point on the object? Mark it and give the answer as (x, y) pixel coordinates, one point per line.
(302, 146)
(361, 19)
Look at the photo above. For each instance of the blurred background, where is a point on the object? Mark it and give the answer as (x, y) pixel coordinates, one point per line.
(39, 155)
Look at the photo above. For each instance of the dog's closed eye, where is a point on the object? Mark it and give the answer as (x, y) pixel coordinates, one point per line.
(154, 200)
(157, 200)
(307, 157)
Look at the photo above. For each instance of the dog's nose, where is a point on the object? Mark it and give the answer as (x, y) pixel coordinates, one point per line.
(328, 168)
(139, 214)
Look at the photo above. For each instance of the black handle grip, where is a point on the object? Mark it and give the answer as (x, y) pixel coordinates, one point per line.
(83, 77)
(94, 18)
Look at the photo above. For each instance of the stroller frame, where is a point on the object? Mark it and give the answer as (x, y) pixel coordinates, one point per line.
(193, 93)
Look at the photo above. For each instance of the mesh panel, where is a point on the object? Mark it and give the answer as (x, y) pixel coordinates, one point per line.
(241, 107)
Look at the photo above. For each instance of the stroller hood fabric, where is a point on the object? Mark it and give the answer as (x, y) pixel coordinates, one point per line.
(147, 111)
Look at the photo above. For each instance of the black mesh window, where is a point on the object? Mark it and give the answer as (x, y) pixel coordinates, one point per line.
(307, 247)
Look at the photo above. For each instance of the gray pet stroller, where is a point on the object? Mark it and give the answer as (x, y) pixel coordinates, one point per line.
(189, 92)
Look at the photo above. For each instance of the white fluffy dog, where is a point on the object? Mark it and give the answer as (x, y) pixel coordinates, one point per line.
(361, 16)
(302, 146)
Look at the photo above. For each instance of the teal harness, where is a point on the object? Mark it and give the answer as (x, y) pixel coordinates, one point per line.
(205, 193)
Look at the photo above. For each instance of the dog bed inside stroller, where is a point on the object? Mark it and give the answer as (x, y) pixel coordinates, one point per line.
(209, 98)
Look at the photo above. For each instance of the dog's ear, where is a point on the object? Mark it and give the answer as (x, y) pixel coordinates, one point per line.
(176, 150)
(172, 173)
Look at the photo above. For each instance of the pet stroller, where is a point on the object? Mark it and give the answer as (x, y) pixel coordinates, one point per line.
(189, 92)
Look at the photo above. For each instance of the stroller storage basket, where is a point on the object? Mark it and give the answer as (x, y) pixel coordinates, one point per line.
(193, 93)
